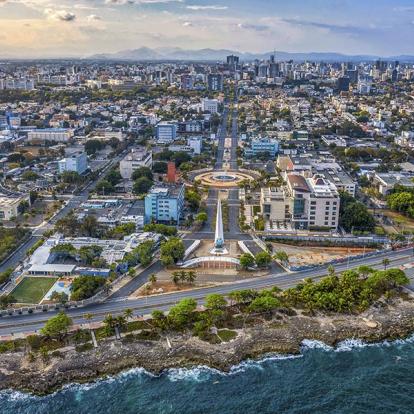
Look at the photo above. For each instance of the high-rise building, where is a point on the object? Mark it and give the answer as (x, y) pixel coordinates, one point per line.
(343, 84)
(215, 82)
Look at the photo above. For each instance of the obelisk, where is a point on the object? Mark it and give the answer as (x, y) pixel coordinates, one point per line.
(219, 234)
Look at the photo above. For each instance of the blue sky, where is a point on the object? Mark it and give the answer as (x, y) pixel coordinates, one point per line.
(31, 28)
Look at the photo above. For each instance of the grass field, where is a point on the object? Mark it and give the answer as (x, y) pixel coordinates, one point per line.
(32, 289)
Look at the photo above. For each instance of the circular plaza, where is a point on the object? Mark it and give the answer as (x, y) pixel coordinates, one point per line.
(223, 179)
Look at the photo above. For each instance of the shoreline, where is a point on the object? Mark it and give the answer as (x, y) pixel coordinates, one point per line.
(281, 335)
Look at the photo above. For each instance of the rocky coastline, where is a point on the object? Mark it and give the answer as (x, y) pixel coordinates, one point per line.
(282, 334)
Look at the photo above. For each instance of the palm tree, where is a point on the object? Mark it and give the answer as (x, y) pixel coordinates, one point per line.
(109, 323)
(183, 275)
(191, 276)
(128, 313)
(385, 262)
(175, 277)
(153, 279)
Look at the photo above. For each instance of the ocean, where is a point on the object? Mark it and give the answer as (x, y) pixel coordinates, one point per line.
(353, 378)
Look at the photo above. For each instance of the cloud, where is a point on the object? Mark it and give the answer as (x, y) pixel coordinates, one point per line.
(60, 15)
(208, 7)
(119, 2)
(93, 18)
(187, 24)
(349, 29)
(253, 27)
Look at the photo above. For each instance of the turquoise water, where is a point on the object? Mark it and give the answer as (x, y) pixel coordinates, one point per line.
(354, 378)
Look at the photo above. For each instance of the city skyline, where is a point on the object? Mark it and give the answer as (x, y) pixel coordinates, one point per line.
(88, 27)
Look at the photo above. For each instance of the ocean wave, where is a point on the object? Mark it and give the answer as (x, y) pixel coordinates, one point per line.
(204, 373)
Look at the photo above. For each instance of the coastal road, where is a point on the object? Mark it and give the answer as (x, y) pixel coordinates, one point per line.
(28, 323)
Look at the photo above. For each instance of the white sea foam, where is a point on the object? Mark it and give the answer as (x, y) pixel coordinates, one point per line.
(313, 344)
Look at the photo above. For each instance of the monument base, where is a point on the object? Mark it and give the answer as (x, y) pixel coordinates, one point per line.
(219, 251)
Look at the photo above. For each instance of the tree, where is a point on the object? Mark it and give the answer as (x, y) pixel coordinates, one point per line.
(6, 301)
(57, 326)
(61, 297)
(142, 172)
(71, 177)
(191, 276)
(141, 186)
(263, 259)
(281, 256)
(128, 313)
(83, 287)
(30, 176)
(385, 262)
(215, 301)
(181, 314)
(89, 226)
(160, 167)
(354, 215)
(93, 145)
(153, 279)
(161, 229)
(264, 304)
(175, 277)
(246, 261)
(202, 217)
(172, 251)
(104, 187)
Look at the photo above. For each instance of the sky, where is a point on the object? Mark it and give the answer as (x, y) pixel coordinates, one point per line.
(64, 28)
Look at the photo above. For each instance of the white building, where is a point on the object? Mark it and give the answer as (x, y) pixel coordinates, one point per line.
(50, 134)
(196, 144)
(77, 162)
(134, 160)
(304, 203)
(10, 207)
(209, 105)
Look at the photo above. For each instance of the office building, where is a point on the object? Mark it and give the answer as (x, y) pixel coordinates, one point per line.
(209, 105)
(164, 203)
(134, 160)
(76, 162)
(215, 82)
(262, 146)
(166, 132)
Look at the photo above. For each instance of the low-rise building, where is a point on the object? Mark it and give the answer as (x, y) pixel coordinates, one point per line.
(262, 146)
(50, 134)
(134, 160)
(209, 105)
(11, 207)
(76, 162)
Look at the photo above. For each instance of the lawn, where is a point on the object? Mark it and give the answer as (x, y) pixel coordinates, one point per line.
(32, 289)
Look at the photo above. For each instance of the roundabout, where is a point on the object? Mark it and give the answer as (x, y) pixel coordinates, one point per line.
(223, 179)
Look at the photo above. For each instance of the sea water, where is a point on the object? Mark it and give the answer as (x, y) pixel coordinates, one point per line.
(353, 378)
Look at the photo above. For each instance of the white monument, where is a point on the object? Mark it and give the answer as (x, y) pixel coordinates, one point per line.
(219, 248)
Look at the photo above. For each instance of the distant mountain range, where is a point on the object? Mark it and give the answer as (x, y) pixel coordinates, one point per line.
(165, 53)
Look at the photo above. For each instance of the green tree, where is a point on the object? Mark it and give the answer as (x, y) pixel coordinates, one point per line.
(172, 251)
(385, 262)
(263, 259)
(142, 172)
(160, 167)
(281, 256)
(182, 313)
(57, 326)
(104, 187)
(215, 301)
(141, 186)
(246, 261)
(202, 217)
(264, 304)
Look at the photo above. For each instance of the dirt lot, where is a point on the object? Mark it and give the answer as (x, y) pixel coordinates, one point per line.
(166, 287)
(304, 255)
